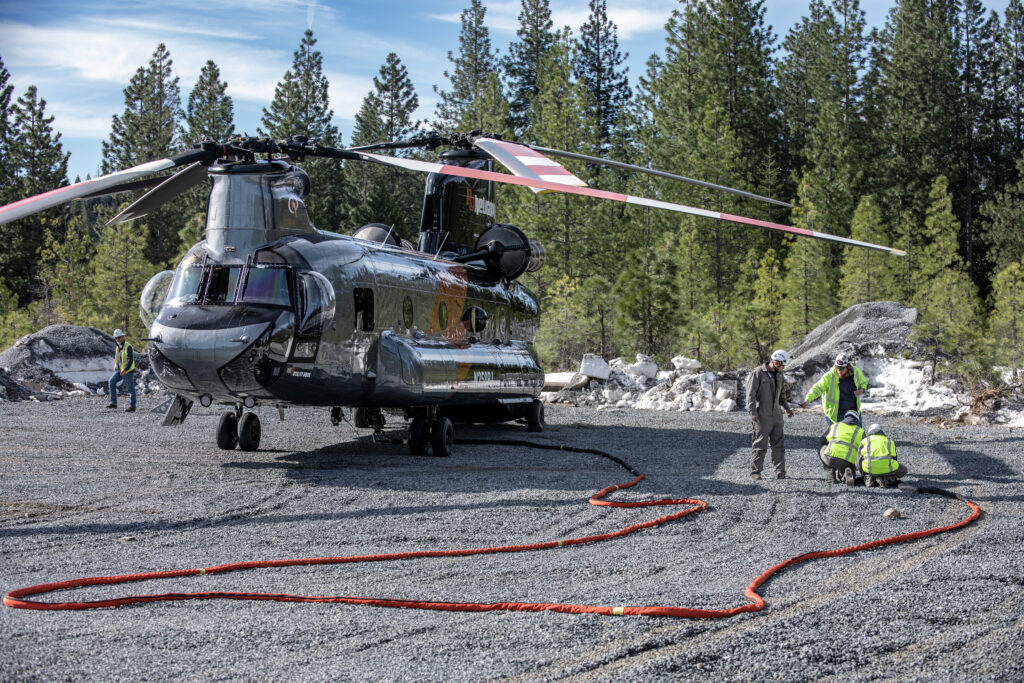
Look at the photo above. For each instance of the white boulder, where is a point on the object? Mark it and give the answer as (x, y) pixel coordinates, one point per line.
(594, 366)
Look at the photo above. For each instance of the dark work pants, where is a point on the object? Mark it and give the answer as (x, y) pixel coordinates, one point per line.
(768, 432)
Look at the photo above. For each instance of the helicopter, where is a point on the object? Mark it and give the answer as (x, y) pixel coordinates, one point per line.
(269, 310)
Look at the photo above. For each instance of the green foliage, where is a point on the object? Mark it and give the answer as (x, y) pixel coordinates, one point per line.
(474, 72)
(7, 137)
(119, 272)
(39, 164)
(1004, 231)
(866, 274)
(64, 272)
(647, 307)
(810, 282)
(386, 195)
(1006, 325)
(301, 107)
(599, 68)
(524, 64)
(210, 114)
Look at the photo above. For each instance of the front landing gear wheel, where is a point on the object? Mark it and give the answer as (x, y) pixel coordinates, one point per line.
(249, 432)
(227, 434)
(535, 416)
(418, 436)
(442, 436)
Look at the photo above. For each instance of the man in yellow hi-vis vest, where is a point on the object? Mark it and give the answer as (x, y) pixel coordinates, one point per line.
(841, 448)
(877, 460)
(124, 371)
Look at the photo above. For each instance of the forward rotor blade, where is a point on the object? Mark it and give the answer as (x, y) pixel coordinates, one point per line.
(654, 172)
(167, 190)
(132, 186)
(63, 195)
(525, 162)
(447, 169)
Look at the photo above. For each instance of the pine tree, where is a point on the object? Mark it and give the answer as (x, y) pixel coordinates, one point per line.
(472, 71)
(7, 136)
(210, 114)
(150, 129)
(301, 107)
(1002, 231)
(1006, 324)
(119, 272)
(647, 311)
(866, 274)
(40, 164)
(758, 310)
(809, 281)
(524, 63)
(945, 297)
(1010, 50)
(599, 68)
(64, 271)
(386, 195)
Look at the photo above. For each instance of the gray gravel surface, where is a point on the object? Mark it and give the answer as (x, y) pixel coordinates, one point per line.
(89, 492)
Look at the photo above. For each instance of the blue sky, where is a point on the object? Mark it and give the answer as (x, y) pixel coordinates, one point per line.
(82, 53)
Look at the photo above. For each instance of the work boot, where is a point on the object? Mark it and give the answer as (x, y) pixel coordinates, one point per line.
(848, 477)
(111, 406)
(780, 475)
(129, 409)
(830, 475)
(869, 481)
(755, 475)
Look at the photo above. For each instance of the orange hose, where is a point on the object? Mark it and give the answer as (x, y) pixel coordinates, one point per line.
(15, 598)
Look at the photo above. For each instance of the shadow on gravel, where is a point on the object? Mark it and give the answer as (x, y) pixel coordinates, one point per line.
(665, 456)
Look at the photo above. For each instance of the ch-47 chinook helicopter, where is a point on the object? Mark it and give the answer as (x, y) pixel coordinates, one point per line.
(268, 310)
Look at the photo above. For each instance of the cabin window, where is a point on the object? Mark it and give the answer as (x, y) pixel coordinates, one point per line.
(266, 285)
(185, 287)
(407, 312)
(364, 309)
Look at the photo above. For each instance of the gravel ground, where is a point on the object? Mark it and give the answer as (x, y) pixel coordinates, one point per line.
(85, 491)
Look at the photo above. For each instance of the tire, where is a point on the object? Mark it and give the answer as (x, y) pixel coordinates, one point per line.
(419, 435)
(442, 437)
(249, 432)
(535, 416)
(227, 431)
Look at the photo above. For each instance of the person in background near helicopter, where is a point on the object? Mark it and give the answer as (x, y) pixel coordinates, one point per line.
(765, 402)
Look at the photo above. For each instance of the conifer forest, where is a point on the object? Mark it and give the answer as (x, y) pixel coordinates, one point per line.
(910, 135)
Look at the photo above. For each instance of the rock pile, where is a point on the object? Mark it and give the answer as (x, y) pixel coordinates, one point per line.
(642, 385)
(64, 360)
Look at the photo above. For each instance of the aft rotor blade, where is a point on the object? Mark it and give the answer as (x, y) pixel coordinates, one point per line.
(164, 192)
(63, 195)
(654, 172)
(462, 171)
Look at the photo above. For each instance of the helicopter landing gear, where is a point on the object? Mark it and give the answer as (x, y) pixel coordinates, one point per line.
(249, 432)
(442, 436)
(535, 416)
(432, 429)
(419, 435)
(227, 430)
(367, 418)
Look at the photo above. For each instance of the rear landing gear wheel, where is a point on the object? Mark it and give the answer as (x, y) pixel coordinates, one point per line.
(419, 435)
(442, 436)
(535, 416)
(227, 430)
(249, 432)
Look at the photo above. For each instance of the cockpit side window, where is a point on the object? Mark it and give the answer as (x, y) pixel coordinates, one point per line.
(266, 285)
(185, 287)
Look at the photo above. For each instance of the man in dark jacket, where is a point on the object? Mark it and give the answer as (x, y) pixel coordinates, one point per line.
(765, 402)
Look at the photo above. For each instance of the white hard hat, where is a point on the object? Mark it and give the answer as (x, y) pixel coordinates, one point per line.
(118, 333)
(781, 356)
(851, 415)
(842, 360)
(874, 429)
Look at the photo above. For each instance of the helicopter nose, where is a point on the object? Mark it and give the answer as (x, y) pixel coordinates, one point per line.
(200, 353)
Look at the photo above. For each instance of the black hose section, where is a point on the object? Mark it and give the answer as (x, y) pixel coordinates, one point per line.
(551, 447)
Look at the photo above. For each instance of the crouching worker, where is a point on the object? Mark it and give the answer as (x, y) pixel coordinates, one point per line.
(877, 460)
(841, 448)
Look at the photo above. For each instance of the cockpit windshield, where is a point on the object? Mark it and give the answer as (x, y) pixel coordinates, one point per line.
(195, 283)
(266, 285)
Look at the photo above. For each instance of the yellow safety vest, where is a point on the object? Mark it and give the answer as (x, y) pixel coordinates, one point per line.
(828, 388)
(844, 441)
(878, 455)
(120, 353)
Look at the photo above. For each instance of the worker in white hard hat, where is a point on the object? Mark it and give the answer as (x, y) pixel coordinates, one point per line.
(766, 400)
(124, 371)
(877, 459)
(840, 389)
